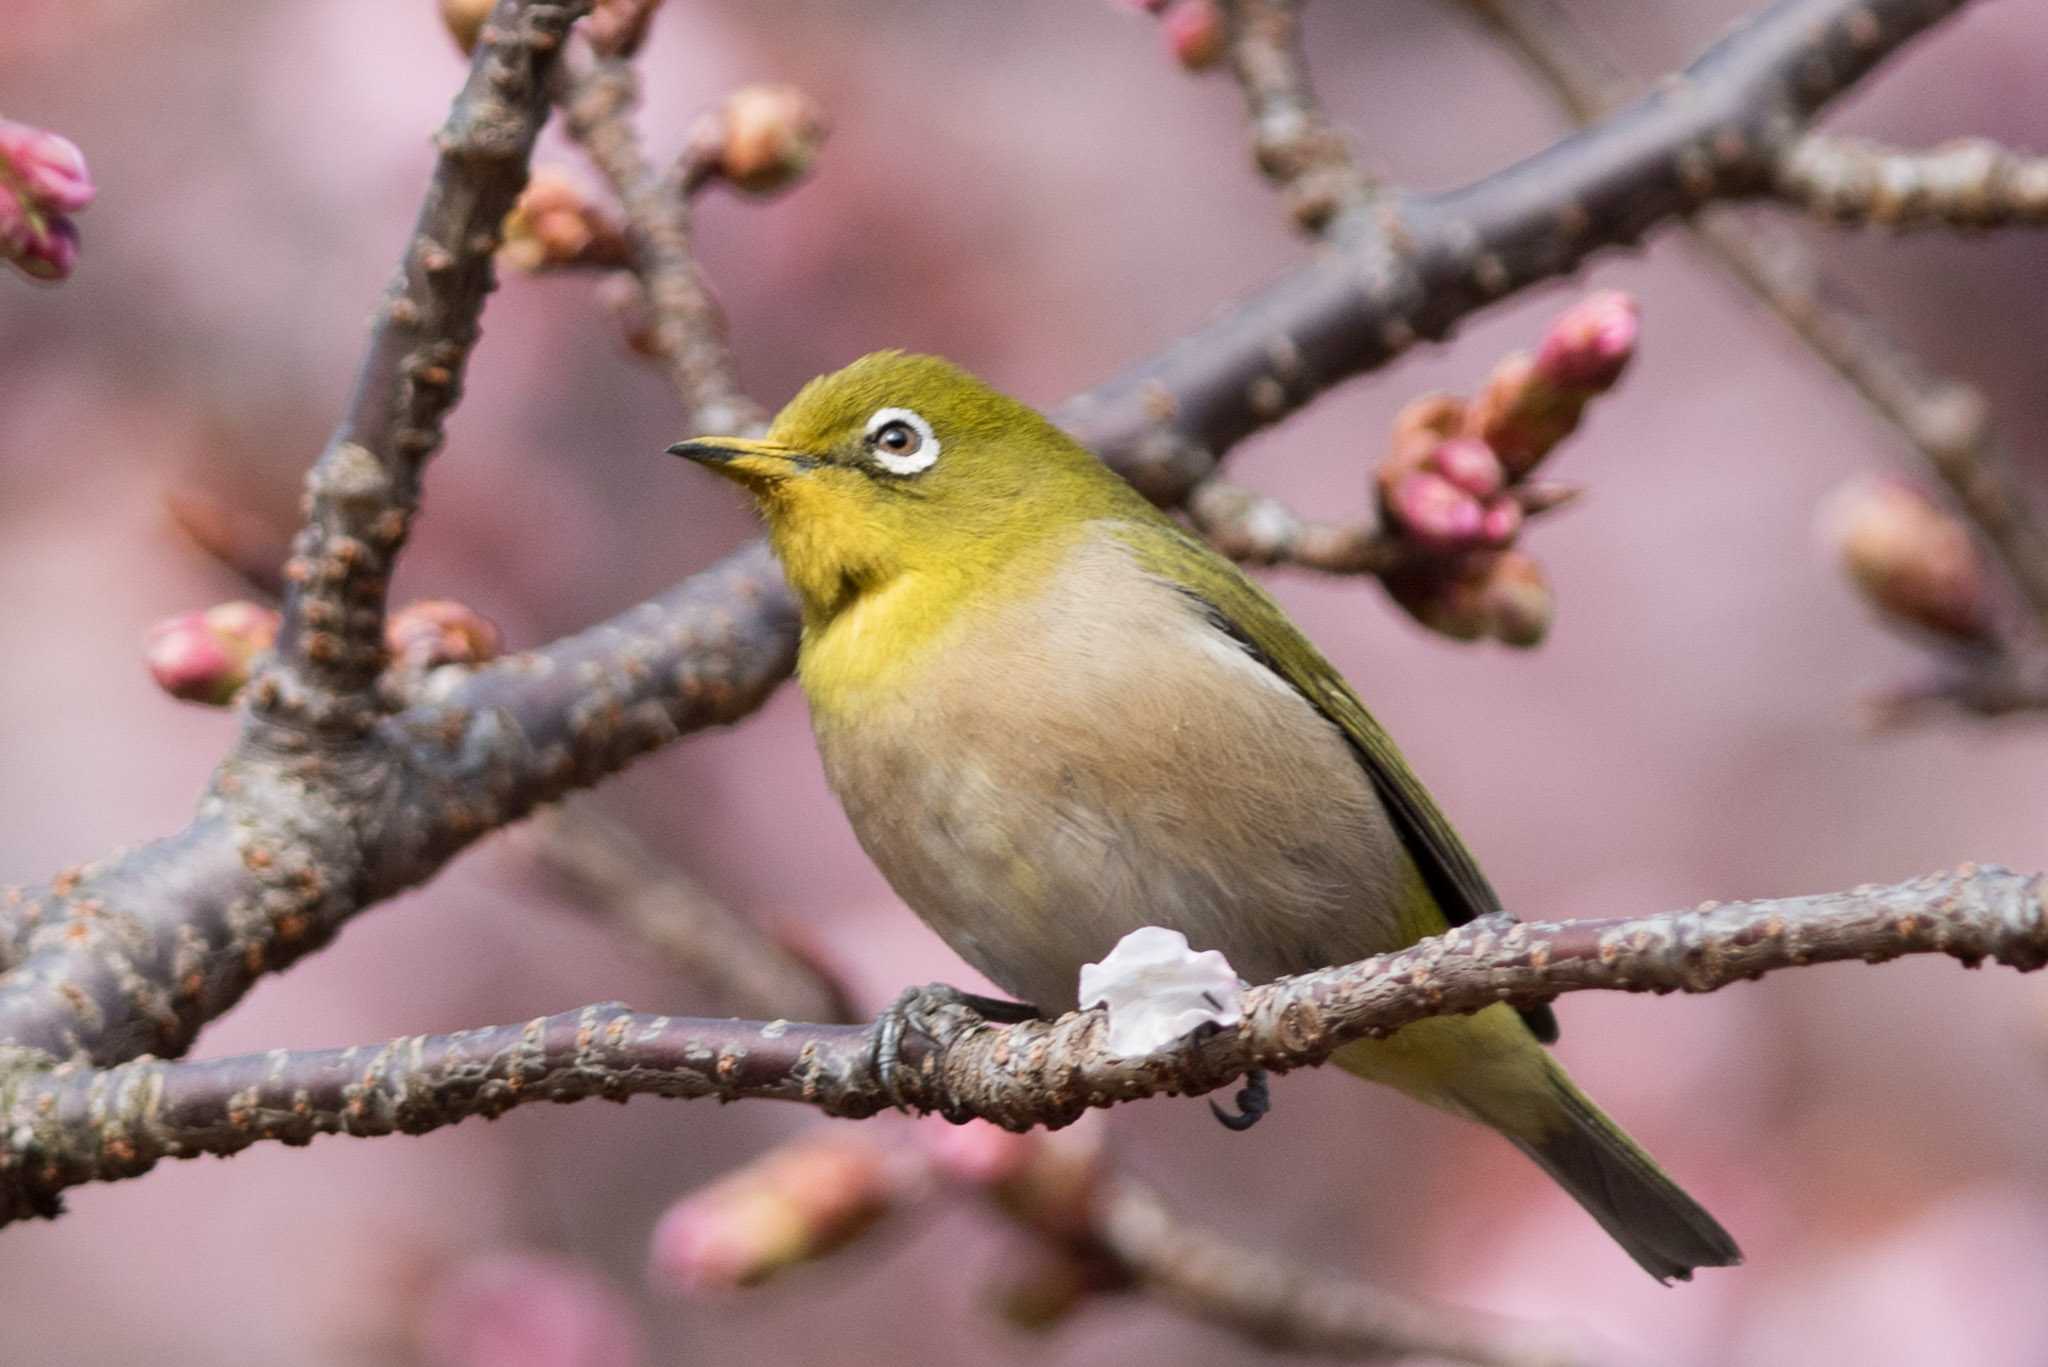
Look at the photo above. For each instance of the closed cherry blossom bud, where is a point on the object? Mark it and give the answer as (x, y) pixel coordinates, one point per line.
(1436, 514)
(1503, 596)
(794, 1204)
(1912, 559)
(206, 656)
(1590, 343)
(555, 223)
(1519, 603)
(43, 180)
(437, 631)
(1194, 32)
(765, 136)
(616, 28)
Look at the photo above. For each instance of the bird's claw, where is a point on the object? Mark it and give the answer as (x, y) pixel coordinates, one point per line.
(1254, 1099)
(910, 1013)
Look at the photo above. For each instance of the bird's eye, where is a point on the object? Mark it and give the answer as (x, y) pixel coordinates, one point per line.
(902, 441)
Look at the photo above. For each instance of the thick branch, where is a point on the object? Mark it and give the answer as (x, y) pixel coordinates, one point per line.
(69, 1124)
(364, 488)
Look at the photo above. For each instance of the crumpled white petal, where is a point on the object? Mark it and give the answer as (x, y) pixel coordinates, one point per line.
(1157, 990)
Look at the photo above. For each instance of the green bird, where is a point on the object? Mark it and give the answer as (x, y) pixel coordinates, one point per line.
(1054, 716)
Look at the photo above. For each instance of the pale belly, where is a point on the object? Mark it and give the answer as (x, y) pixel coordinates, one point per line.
(1103, 759)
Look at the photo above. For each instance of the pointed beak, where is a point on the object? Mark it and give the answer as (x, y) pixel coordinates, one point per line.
(744, 461)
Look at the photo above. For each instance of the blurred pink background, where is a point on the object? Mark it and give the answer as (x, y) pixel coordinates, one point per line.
(1037, 192)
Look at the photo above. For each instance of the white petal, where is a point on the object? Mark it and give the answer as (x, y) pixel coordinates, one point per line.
(1158, 990)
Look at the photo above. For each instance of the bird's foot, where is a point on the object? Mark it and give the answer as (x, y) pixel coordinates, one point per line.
(1254, 1099)
(911, 1014)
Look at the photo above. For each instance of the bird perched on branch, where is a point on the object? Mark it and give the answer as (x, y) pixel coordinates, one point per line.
(1054, 716)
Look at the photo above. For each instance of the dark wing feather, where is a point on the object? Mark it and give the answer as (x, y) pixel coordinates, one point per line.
(1243, 611)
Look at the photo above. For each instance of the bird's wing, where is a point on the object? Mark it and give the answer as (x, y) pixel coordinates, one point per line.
(1242, 610)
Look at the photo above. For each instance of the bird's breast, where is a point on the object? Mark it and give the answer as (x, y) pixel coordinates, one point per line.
(1097, 756)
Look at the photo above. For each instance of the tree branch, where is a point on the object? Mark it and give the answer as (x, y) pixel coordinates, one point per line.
(68, 1124)
(364, 488)
(1293, 142)
(1967, 183)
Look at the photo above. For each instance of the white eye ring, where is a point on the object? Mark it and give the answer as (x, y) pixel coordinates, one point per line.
(919, 457)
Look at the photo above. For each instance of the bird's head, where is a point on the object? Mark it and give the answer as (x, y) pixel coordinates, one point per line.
(906, 464)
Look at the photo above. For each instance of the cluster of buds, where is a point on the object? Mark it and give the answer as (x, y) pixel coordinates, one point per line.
(760, 139)
(1194, 29)
(1454, 486)
(206, 656)
(1914, 561)
(556, 223)
(790, 1206)
(43, 181)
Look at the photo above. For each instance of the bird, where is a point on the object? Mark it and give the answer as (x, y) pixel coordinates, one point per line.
(1053, 716)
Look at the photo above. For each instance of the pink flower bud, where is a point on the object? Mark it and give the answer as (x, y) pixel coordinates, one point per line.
(616, 28)
(527, 1310)
(206, 657)
(1521, 416)
(1470, 464)
(794, 1204)
(42, 179)
(766, 136)
(1912, 559)
(1194, 32)
(1590, 343)
(436, 631)
(45, 170)
(1436, 514)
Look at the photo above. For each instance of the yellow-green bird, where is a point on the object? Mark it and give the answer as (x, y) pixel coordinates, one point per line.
(1053, 716)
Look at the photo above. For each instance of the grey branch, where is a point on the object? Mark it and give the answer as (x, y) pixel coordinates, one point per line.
(365, 487)
(68, 1124)
(298, 832)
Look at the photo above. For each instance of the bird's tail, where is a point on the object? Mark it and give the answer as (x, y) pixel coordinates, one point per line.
(1489, 1068)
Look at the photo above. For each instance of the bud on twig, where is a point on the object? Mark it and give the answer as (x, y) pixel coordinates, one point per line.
(1912, 559)
(206, 656)
(762, 138)
(438, 631)
(1194, 32)
(43, 180)
(1531, 403)
(794, 1204)
(464, 20)
(555, 224)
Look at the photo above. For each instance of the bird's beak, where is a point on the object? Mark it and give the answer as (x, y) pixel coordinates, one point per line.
(752, 463)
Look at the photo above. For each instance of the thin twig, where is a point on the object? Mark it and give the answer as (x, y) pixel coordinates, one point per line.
(597, 96)
(70, 1124)
(610, 870)
(1967, 183)
(365, 487)
(1293, 142)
